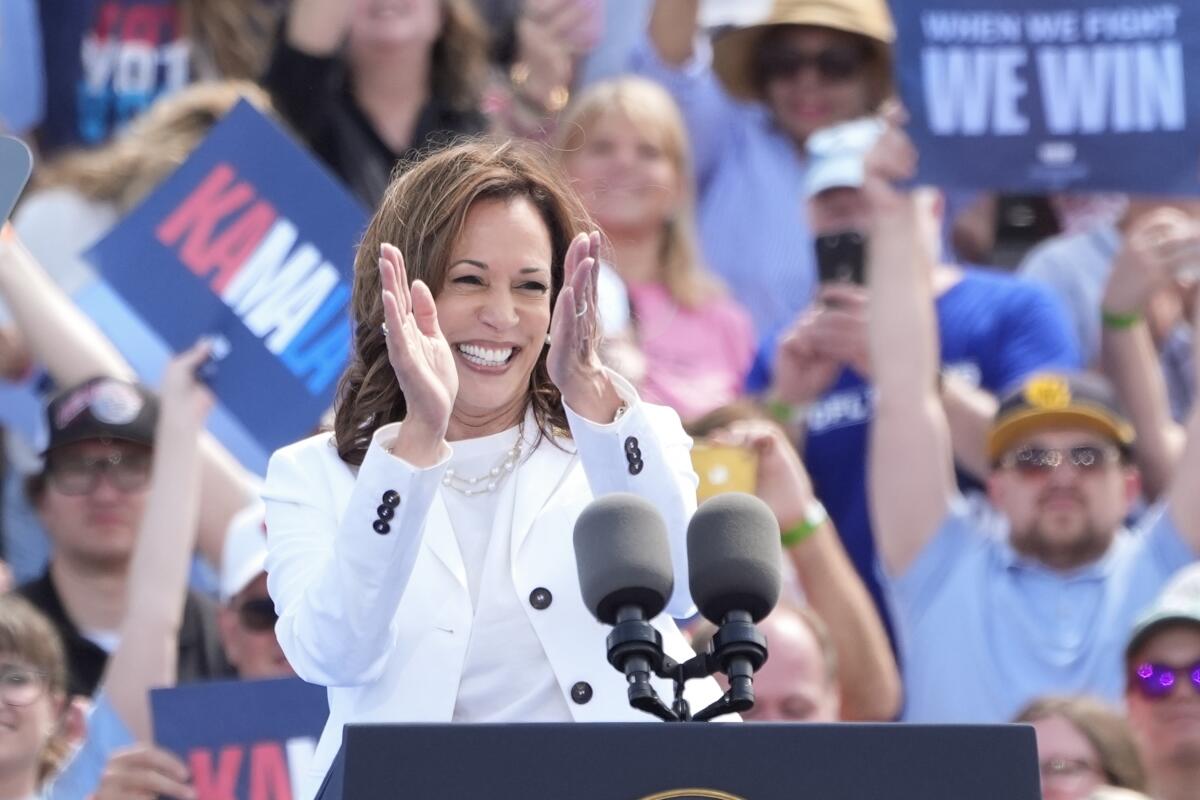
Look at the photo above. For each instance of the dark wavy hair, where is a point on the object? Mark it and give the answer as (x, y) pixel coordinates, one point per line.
(423, 213)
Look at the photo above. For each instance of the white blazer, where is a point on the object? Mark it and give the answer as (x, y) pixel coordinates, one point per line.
(384, 619)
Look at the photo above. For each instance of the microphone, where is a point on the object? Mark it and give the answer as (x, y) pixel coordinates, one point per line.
(734, 563)
(626, 577)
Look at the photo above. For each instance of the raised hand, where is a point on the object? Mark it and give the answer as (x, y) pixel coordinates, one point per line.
(184, 398)
(144, 772)
(783, 482)
(417, 350)
(574, 360)
(1163, 246)
(802, 372)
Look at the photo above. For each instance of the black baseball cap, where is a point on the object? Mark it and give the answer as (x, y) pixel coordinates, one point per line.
(101, 408)
(1059, 399)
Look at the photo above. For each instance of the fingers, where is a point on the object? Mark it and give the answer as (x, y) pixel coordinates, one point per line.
(146, 771)
(576, 252)
(194, 356)
(394, 276)
(424, 309)
(842, 296)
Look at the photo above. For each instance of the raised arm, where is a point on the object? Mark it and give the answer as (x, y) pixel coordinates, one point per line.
(1183, 500)
(1155, 248)
(911, 474)
(63, 338)
(673, 29)
(868, 677)
(158, 573)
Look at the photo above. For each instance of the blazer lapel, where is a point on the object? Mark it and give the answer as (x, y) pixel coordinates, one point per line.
(537, 479)
(440, 538)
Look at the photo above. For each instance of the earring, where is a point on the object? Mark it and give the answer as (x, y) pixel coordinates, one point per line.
(547, 339)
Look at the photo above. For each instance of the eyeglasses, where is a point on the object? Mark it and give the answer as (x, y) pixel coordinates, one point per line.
(128, 471)
(1036, 461)
(21, 686)
(1156, 681)
(833, 64)
(258, 614)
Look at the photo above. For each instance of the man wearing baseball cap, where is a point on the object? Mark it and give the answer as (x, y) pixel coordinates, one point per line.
(1162, 696)
(90, 497)
(816, 372)
(1034, 597)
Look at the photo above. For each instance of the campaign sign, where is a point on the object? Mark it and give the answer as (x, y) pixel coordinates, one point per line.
(1050, 95)
(252, 242)
(242, 740)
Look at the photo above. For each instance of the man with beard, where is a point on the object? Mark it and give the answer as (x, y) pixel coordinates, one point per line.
(1163, 694)
(995, 609)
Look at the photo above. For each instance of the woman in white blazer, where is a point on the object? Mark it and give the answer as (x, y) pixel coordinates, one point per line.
(421, 556)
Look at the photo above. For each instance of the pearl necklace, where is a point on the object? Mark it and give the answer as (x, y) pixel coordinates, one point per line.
(493, 477)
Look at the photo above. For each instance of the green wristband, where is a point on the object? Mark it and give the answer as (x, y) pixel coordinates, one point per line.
(781, 412)
(1119, 322)
(815, 516)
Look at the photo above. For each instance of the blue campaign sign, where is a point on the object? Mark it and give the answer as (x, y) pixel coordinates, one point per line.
(1052, 95)
(252, 242)
(242, 740)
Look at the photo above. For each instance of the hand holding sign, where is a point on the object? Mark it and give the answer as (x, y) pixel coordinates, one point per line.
(1161, 247)
(892, 160)
(144, 772)
(418, 352)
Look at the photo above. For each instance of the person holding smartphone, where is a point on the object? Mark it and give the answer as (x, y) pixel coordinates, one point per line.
(817, 373)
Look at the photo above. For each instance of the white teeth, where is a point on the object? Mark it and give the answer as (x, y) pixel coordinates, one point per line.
(485, 355)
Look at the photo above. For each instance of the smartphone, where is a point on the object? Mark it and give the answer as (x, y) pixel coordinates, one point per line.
(723, 468)
(842, 258)
(16, 164)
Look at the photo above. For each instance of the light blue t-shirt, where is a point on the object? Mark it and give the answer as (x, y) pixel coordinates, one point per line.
(106, 734)
(983, 630)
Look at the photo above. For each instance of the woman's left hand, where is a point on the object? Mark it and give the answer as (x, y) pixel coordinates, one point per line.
(574, 360)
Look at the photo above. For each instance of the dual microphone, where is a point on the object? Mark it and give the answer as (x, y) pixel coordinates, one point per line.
(625, 574)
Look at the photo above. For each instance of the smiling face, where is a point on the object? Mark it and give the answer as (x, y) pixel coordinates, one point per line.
(381, 24)
(26, 724)
(1167, 728)
(627, 174)
(814, 77)
(494, 310)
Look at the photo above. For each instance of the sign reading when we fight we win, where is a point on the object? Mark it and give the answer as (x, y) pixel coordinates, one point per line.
(250, 242)
(1048, 95)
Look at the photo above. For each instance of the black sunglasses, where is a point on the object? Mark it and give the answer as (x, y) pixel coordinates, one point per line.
(832, 64)
(1156, 681)
(258, 614)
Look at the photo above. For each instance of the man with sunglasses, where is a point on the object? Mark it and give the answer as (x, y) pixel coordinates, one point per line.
(1162, 695)
(995, 608)
(90, 496)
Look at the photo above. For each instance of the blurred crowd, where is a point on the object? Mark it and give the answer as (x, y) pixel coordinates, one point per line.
(972, 413)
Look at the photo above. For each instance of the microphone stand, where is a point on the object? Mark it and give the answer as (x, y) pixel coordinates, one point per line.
(737, 649)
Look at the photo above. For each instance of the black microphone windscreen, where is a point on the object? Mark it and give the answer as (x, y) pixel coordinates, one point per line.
(623, 557)
(734, 557)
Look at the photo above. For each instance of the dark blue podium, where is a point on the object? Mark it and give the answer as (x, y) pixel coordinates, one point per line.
(661, 761)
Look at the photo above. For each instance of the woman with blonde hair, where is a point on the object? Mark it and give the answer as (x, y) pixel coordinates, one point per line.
(626, 149)
(419, 557)
(34, 707)
(1082, 745)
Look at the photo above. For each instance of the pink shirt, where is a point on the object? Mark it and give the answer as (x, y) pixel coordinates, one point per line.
(696, 359)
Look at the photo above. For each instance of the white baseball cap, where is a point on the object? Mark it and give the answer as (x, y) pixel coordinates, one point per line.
(244, 555)
(838, 155)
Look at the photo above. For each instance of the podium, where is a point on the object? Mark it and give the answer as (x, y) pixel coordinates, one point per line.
(666, 761)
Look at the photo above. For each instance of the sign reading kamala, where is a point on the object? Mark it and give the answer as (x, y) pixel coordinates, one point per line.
(253, 242)
(1047, 95)
(242, 740)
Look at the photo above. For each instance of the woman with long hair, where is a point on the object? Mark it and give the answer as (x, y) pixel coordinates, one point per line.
(369, 83)
(420, 556)
(626, 149)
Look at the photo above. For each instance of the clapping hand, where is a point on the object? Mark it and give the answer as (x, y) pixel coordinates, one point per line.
(574, 359)
(419, 354)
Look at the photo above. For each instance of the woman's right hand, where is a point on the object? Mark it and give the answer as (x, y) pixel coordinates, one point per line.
(421, 358)
(144, 771)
